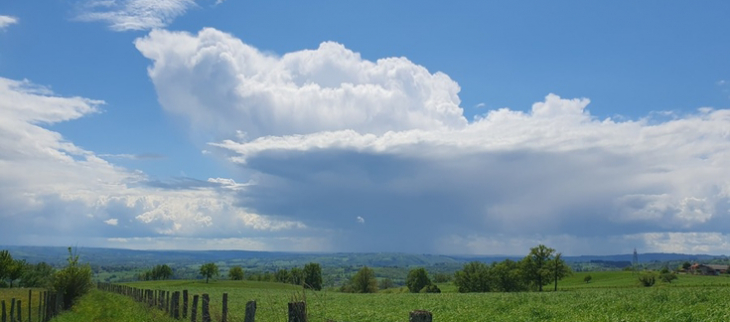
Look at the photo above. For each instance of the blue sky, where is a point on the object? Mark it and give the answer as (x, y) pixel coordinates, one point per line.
(358, 126)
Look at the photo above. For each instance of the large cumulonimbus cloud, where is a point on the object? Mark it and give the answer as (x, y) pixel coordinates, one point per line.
(330, 136)
(54, 192)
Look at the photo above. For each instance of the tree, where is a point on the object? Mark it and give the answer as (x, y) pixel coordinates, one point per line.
(209, 270)
(364, 281)
(686, 265)
(506, 276)
(474, 277)
(15, 271)
(236, 273)
(6, 263)
(417, 279)
(73, 280)
(313, 276)
(297, 276)
(587, 279)
(386, 283)
(536, 266)
(161, 272)
(38, 275)
(560, 269)
(282, 276)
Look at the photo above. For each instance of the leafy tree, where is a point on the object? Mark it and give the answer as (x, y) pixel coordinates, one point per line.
(297, 276)
(474, 277)
(686, 265)
(417, 279)
(441, 278)
(236, 273)
(364, 281)
(73, 280)
(313, 276)
(587, 279)
(209, 270)
(15, 271)
(536, 266)
(161, 272)
(560, 269)
(386, 283)
(38, 275)
(506, 276)
(6, 263)
(282, 276)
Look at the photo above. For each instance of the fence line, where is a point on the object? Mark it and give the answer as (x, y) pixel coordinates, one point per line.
(169, 302)
(50, 304)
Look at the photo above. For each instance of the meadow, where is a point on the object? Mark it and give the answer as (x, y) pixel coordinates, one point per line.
(612, 296)
(21, 294)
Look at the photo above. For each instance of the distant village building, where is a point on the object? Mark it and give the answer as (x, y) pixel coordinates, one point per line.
(708, 269)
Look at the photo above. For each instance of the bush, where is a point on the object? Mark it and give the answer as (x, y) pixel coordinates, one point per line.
(236, 273)
(72, 281)
(417, 280)
(473, 278)
(430, 289)
(587, 279)
(647, 279)
(667, 277)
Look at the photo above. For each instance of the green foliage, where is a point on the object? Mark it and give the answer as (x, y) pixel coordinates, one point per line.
(282, 276)
(474, 277)
(364, 281)
(417, 279)
(686, 265)
(647, 279)
(667, 277)
(38, 275)
(587, 279)
(105, 306)
(442, 278)
(15, 271)
(236, 273)
(506, 276)
(432, 288)
(297, 276)
(73, 281)
(386, 283)
(208, 270)
(312, 276)
(6, 263)
(536, 266)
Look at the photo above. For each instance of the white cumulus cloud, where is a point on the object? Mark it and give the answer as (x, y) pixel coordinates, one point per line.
(330, 136)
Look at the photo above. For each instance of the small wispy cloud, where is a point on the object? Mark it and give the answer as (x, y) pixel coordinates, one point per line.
(6, 21)
(721, 82)
(124, 15)
(360, 220)
(142, 156)
(480, 105)
(112, 222)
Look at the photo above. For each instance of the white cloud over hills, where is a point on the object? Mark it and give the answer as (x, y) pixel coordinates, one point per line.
(52, 191)
(330, 136)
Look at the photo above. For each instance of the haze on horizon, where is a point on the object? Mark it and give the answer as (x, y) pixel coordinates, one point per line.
(366, 127)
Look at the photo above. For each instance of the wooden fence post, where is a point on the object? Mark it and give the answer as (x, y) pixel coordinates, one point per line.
(30, 299)
(20, 311)
(185, 304)
(250, 312)
(224, 317)
(420, 316)
(3, 313)
(167, 302)
(176, 305)
(205, 316)
(12, 310)
(297, 312)
(194, 309)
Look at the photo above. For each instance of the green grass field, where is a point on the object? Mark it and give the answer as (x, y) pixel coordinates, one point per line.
(7, 294)
(611, 296)
(101, 306)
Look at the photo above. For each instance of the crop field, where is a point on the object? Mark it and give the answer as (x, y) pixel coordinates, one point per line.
(613, 296)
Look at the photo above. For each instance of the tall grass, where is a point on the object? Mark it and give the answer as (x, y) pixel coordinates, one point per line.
(104, 306)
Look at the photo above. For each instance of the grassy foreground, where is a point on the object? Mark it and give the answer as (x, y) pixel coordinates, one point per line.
(98, 306)
(659, 303)
(7, 294)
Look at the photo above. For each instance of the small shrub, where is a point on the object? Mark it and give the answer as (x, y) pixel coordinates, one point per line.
(667, 277)
(73, 280)
(587, 279)
(430, 289)
(647, 279)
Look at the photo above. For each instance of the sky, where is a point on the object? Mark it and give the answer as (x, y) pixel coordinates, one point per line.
(461, 127)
